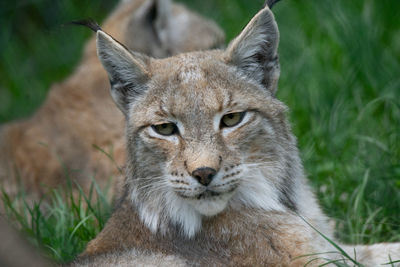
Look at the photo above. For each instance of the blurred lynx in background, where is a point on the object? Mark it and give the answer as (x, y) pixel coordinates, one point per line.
(78, 127)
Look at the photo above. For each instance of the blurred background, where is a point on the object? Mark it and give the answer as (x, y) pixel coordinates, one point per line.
(340, 77)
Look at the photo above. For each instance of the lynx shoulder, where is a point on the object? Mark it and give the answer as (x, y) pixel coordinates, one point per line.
(62, 138)
(213, 172)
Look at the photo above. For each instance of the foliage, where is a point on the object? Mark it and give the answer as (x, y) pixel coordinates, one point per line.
(63, 225)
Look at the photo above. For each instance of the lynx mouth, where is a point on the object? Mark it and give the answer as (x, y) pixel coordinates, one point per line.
(208, 194)
(205, 195)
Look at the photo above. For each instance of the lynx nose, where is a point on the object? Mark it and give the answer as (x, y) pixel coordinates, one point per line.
(204, 175)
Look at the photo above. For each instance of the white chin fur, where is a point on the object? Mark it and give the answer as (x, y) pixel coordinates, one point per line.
(210, 206)
(186, 213)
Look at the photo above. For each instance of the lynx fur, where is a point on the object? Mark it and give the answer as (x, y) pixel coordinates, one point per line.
(15, 251)
(59, 141)
(213, 174)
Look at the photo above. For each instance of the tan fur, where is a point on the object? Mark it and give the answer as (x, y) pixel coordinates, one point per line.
(230, 239)
(258, 209)
(131, 257)
(15, 251)
(58, 141)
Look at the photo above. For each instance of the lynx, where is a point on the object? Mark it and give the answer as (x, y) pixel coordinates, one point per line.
(59, 141)
(213, 174)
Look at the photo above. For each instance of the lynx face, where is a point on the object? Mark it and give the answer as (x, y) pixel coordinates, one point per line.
(204, 129)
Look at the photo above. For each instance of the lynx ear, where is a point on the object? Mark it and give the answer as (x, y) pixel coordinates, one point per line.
(162, 20)
(126, 71)
(254, 51)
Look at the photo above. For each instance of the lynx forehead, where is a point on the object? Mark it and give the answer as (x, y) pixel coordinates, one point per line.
(190, 70)
(198, 85)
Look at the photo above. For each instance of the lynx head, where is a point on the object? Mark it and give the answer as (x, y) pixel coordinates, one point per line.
(161, 28)
(205, 131)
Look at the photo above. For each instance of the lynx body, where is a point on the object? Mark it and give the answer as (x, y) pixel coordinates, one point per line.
(213, 173)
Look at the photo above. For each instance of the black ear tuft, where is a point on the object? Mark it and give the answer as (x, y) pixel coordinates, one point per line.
(270, 3)
(126, 70)
(90, 23)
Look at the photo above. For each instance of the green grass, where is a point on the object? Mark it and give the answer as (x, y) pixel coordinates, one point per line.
(340, 76)
(341, 80)
(63, 226)
(36, 50)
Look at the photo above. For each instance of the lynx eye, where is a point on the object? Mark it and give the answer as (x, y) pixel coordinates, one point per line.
(165, 128)
(232, 119)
